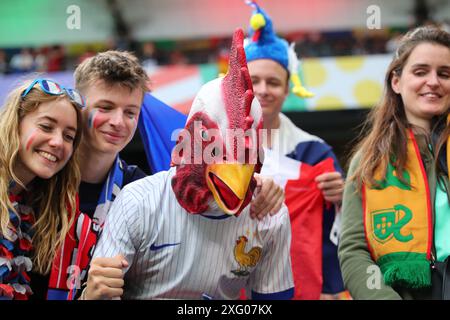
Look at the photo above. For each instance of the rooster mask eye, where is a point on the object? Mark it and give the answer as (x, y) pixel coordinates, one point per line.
(204, 134)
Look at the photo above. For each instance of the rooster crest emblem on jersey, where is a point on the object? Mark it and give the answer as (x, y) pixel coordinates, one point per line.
(245, 259)
(212, 164)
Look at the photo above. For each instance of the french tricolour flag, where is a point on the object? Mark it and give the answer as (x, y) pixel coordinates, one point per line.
(305, 204)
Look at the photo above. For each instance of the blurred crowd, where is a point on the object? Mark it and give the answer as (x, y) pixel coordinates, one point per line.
(197, 51)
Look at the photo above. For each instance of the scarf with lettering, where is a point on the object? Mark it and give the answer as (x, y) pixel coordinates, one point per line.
(398, 222)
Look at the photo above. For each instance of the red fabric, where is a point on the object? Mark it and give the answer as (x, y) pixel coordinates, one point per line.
(25, 245)
(20, 296)
(5, 253)
(69, 265)
(305, 203)
(6, 290)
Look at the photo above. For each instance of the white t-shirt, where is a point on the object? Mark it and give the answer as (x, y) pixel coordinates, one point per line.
(288, 136)
(177, 255)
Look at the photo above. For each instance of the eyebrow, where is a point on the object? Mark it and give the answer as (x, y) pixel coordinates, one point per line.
(53, 120)
(132, 106)
(114, 104)
(424, 65)
(271, 78)
(48, 118)
(104, 101)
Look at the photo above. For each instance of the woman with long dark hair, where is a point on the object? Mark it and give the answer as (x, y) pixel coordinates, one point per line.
(396, 214)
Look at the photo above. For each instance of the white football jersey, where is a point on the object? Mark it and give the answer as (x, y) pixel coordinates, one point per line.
(176, 255)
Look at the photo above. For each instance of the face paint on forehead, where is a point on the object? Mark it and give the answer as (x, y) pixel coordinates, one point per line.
(30, 139)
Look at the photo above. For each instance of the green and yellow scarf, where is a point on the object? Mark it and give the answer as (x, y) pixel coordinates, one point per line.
(398, 222)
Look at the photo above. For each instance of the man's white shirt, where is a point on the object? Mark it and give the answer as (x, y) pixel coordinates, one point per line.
(176, 255)
(288, 136)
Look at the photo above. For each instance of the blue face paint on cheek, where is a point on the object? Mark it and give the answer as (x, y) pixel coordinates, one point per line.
(91, 117)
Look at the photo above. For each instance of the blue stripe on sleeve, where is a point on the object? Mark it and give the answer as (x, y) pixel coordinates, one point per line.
(282, 295)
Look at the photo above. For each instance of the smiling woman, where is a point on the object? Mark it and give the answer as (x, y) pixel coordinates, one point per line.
(46, 140)
(40, 126)
(396, 212)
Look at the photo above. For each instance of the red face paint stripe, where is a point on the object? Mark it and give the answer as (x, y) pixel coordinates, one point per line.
(96, 121)
(30, 139)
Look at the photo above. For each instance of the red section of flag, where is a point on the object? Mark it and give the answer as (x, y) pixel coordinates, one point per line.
(305, 203)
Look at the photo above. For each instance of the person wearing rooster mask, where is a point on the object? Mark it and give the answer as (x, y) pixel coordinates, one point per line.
(271, 63)
(186, 233)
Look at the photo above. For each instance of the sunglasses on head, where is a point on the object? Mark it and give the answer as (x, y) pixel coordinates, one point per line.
(53, 88)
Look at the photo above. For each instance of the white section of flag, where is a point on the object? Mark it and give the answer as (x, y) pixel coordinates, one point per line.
(279, 167)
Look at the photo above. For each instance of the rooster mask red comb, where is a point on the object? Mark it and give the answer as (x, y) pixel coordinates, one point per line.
(219, 149)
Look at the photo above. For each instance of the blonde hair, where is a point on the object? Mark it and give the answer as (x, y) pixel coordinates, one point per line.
(387, 123)
(114, 68)
(53, 197)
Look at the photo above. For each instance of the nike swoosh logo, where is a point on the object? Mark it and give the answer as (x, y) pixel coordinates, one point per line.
(155, 247)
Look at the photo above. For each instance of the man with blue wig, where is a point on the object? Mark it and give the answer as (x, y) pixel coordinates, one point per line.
(272, 62)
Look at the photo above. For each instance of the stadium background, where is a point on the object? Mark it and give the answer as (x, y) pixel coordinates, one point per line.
(184, 43)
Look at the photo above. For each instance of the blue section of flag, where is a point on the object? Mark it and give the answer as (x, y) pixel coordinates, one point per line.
(157, 123)
(313, 152)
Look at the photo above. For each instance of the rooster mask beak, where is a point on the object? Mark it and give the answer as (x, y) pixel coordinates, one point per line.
(229, 183)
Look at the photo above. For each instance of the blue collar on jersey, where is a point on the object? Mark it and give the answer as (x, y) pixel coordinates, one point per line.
(216, 217)
(110, 190)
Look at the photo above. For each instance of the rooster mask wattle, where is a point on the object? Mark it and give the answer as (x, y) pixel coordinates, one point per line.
(214, 160)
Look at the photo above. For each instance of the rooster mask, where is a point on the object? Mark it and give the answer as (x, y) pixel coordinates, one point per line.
(219, 149)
